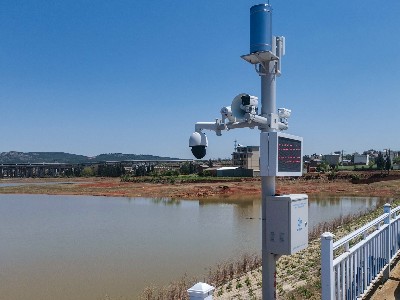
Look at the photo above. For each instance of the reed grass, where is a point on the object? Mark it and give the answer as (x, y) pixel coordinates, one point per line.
(222, 274)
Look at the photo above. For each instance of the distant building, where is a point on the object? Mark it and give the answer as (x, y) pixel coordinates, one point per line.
(333, 159)
(346, 162)
(312, 165)
(372, 153)
(234, 172)
(247, 157)
(361, 159)
(316, 156)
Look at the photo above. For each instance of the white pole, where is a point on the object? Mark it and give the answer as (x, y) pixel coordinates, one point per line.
(201, 291)
(327, 279)
(386, 209)
(268, 102)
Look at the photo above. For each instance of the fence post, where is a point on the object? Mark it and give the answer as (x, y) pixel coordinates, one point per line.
(327, 279)
(387, 209)
(201, 291)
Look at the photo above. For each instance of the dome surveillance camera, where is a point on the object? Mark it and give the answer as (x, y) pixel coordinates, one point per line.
(199, 151)
(198, 142)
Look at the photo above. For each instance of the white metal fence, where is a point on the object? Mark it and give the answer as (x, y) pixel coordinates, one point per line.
(350, 265)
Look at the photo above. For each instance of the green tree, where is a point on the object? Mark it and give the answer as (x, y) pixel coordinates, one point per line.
(371, 163)
(388, 164)
(348, 157)
(187, 168)
(87, 172)
(380, 161)
(210, 163)
(323, 167)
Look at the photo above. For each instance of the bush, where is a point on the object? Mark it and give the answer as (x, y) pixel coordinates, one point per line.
(207, 174)
(87, 172)
(332, 175)
(170, 173)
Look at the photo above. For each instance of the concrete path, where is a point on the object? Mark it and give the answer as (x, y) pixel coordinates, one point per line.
(390, 290)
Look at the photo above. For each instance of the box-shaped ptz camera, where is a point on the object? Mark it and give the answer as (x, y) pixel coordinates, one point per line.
(282, 154)
(287, 223)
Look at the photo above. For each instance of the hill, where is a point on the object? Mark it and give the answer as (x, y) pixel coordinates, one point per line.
(15, 157)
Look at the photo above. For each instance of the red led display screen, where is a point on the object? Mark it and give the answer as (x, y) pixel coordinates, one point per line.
(289, 155)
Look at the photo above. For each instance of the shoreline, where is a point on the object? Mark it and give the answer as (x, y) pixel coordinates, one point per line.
(234, 189)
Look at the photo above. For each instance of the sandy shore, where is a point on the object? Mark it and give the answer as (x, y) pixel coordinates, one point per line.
(227, 189)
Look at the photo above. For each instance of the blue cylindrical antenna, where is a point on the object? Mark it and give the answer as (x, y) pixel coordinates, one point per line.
(260, 28)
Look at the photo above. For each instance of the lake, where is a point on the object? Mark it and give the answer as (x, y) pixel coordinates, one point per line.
(84, 247)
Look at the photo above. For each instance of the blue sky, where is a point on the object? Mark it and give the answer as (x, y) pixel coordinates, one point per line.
(92, 77)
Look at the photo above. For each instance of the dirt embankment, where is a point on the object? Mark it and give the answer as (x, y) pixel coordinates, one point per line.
(346, 183)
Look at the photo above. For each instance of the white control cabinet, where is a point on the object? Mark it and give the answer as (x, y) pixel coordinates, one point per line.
(287, 223)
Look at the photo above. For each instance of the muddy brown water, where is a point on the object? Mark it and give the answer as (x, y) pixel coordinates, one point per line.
(83, 247)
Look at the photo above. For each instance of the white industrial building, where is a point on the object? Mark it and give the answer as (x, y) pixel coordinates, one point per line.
(361, 159)
(333, 159)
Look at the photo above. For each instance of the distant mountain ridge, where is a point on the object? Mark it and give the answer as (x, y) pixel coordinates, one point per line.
(15, 157)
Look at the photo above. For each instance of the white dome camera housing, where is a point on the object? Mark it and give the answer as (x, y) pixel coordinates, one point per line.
(198, 142)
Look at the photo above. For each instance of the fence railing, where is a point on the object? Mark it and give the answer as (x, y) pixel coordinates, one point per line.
(352, 264)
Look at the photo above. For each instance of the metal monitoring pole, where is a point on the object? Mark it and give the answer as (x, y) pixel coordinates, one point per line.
(263, 55)
(268, 106)
(284, 217)
(266, 52)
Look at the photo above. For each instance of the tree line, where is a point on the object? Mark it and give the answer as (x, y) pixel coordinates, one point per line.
(117, 170)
